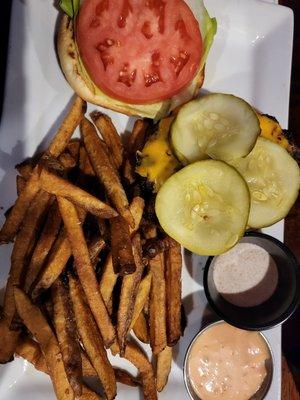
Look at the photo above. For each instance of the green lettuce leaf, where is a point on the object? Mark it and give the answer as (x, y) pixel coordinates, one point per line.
(208, 26)
(70, 7)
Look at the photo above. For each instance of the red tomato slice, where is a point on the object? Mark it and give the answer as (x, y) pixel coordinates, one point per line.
(139, 51)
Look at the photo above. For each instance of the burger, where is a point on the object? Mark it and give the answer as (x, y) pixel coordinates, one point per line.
(137, 57)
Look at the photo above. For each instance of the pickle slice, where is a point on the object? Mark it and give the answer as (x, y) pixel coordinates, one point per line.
(221, 126)
(205, 207)
(273, 179)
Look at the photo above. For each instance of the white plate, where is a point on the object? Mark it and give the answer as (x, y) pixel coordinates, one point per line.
(251, 57)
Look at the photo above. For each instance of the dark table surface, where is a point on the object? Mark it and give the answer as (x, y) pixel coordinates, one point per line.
(291, 329)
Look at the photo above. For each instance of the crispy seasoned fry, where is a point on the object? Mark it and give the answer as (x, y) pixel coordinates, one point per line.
(9, 341)
(85, 270)
(38, 326)
(60, 187)
(121, 247)
(155, 246)
(43, 246)
(141, 328)
(110, 136)
(95, 248)
(67, 161)
(136, 208)
(136, 141)
(66, 130)
(21, 183)
(31, 351)
(15, 217)
(141, 298)
(22, 250)
(88, 394)
(149, 230)
(104, 170)
(157, 312)
(173, 266)
(87, 368)
(73, 148)
(138, 136)
(65, 327)
(163, 367)
(56, 261)
(92, 340)
(84, 162)
(126, 378)
(129, 289)
(108, 280)
(25, 168)
(137, 357)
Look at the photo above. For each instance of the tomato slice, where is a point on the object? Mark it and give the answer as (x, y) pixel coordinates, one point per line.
(139, 51)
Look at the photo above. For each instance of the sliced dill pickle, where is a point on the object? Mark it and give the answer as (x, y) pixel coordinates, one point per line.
(205, 207)
(220, 126)
(273, 179)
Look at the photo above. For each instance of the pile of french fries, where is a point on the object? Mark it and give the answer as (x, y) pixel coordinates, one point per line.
(91, 270)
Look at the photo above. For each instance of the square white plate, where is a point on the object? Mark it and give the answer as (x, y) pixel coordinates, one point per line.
(251, 57)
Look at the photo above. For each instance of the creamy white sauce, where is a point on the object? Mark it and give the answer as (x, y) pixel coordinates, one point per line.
(246, 275)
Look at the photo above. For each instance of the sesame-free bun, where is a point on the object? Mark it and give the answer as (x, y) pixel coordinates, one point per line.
(81, 83)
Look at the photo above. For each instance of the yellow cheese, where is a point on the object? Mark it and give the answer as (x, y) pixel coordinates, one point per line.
(157, 160)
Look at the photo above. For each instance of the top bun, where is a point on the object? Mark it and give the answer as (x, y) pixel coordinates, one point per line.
(82, 84)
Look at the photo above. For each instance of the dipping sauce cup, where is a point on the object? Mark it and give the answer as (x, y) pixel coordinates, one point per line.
(278, 307)
(227, 363)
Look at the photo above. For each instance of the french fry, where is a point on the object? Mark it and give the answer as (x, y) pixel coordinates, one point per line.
(73, 148)
(129, 289)
(108, 280)
(9, 341)
(110, 136)
(88, 394)
(60, 187)
(121, 247)
(138, 136)
(43, 246)
(65, 327)
(163, 367)
(157, 312)
(136, 141)
(87, 368)
(85, 163)
(67, 161)
(141, 298)
(126, 378)
(85, 270)
(137, 357)
(155, 246)
(66, 129)
(104, 170)
(141, 328)
(56, 261)
(15, 217)
(39, 328)
(22, 250)
(25, 168)
(92, 340)
(21, 183)
(31, 351)
(95, 248)
(173, 267)
(136, 208)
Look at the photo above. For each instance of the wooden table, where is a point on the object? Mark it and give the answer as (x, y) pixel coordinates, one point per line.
(291, 329)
